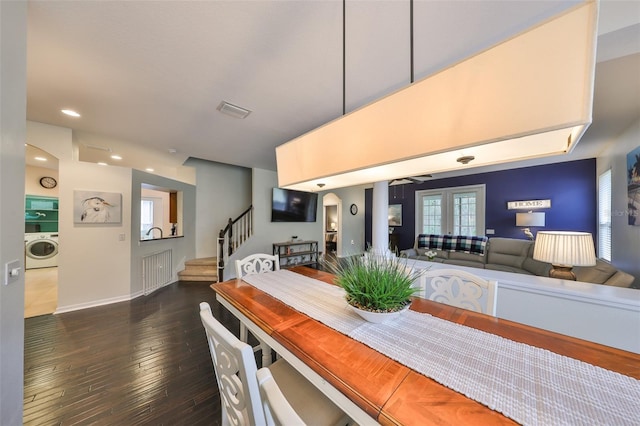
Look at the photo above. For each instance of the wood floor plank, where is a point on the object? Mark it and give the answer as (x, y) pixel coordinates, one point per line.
(140, 362)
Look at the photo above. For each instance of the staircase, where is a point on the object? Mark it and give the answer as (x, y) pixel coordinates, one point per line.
(202, 270)
(207, 269)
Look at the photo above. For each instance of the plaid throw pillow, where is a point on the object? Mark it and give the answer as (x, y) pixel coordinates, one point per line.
(431, 241)
(459, 243)
(475, 245)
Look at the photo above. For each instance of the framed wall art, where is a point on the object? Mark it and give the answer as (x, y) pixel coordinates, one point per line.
(97, 207)
(395, 215)
(633, 187)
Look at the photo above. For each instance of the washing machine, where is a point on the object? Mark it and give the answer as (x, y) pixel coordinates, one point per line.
(41, 250)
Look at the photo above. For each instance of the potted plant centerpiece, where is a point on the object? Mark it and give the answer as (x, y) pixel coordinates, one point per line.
(378, 287)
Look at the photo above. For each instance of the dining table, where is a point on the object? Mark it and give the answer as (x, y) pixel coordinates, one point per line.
(376, 382)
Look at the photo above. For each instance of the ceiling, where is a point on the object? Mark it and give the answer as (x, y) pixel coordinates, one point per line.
(152, 74)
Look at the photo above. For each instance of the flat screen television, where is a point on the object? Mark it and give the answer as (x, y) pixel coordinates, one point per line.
(288, 205)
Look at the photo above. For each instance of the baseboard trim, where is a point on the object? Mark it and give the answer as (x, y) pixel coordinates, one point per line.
(96, 303)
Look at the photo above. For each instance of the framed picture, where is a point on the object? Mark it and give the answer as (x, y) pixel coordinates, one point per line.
(633, 187)
(97, 207)
(395, 215)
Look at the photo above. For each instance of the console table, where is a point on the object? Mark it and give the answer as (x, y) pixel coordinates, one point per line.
(296, 253)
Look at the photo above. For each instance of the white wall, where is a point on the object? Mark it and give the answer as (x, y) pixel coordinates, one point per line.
(13, 106)
(223, 191)
(99, 264)
(625, 238)
(94, 264)
(268, 232)
(351, 226)
(32, 181)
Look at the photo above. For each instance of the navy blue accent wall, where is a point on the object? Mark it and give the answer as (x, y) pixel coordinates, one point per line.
(570, 186)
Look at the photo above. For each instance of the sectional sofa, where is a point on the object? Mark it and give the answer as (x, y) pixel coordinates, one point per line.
(505, 254)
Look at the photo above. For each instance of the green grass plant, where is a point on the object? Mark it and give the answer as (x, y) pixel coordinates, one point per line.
(376, 283)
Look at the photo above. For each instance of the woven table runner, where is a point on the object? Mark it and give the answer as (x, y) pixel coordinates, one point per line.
(530, 385)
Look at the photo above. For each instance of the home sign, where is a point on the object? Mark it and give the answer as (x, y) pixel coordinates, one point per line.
(529, 204)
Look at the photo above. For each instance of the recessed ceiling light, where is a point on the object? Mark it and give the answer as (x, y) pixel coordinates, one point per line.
(70, 112)
(172, 150)
(149, 169)
(40, 158)
(102, 163)
(116, 157)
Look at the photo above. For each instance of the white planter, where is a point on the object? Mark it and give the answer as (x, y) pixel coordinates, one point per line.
(379, 317)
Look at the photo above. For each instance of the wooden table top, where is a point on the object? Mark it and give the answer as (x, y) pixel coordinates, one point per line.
(388, 391)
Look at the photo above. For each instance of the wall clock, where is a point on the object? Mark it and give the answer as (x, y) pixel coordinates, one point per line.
(48, 182)
(354, 209)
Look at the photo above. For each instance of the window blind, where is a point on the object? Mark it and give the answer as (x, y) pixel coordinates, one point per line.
(604, 215)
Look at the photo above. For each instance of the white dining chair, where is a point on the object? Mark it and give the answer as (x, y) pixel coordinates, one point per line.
(236, 375)
(461, 289)
(277, 409)
(258, 263)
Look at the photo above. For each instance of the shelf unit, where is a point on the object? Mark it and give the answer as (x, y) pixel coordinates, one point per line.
(296, 253)
(41, 214)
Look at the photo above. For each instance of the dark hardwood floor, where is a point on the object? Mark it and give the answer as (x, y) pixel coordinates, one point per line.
(142, 362)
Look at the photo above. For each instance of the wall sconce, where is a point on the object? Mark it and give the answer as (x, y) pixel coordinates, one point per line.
(564, 250)
(529, 219)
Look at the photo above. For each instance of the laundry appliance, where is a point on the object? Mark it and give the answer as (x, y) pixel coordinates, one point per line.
(41, 250)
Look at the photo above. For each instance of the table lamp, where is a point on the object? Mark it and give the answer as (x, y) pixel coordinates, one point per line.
(564, 250)
(529, 219)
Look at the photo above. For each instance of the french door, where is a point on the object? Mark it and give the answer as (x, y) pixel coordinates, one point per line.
(452, 211)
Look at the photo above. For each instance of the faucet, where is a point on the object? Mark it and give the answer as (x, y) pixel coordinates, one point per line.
(155, 227)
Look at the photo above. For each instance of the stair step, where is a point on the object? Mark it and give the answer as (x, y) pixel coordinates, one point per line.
(199, 271)
(204, 261)
(199, 278)
(203, 270)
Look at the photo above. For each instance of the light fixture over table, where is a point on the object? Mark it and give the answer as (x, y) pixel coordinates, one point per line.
(564, 250)
(530, 96)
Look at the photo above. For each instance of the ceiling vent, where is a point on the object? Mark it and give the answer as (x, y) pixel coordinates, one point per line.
(233, 110)
(98, 148)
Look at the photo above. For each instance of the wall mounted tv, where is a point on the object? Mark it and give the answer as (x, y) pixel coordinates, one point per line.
(293, 206)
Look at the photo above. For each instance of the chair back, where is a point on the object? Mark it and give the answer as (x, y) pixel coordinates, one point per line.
(235, 368)
(277, 410)
(461, 289)
(257, 264)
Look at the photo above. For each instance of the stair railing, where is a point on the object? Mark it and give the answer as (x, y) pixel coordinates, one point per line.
(230, 238)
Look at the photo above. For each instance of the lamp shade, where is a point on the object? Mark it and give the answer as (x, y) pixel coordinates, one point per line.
(527, 97)
(530, 219)
(565, 248)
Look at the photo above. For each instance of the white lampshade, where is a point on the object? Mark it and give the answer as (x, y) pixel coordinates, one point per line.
(527, 97)
(530, 219)
(565, 248)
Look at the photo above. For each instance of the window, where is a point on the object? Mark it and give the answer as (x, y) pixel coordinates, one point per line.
(146, 216)
(604, 215)
(150, 216)
(453, 211)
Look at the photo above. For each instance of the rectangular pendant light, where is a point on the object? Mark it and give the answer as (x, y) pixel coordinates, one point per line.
(527, 97)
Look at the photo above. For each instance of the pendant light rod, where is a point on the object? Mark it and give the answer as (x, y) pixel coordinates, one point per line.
(411, 37)
(344, 57)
